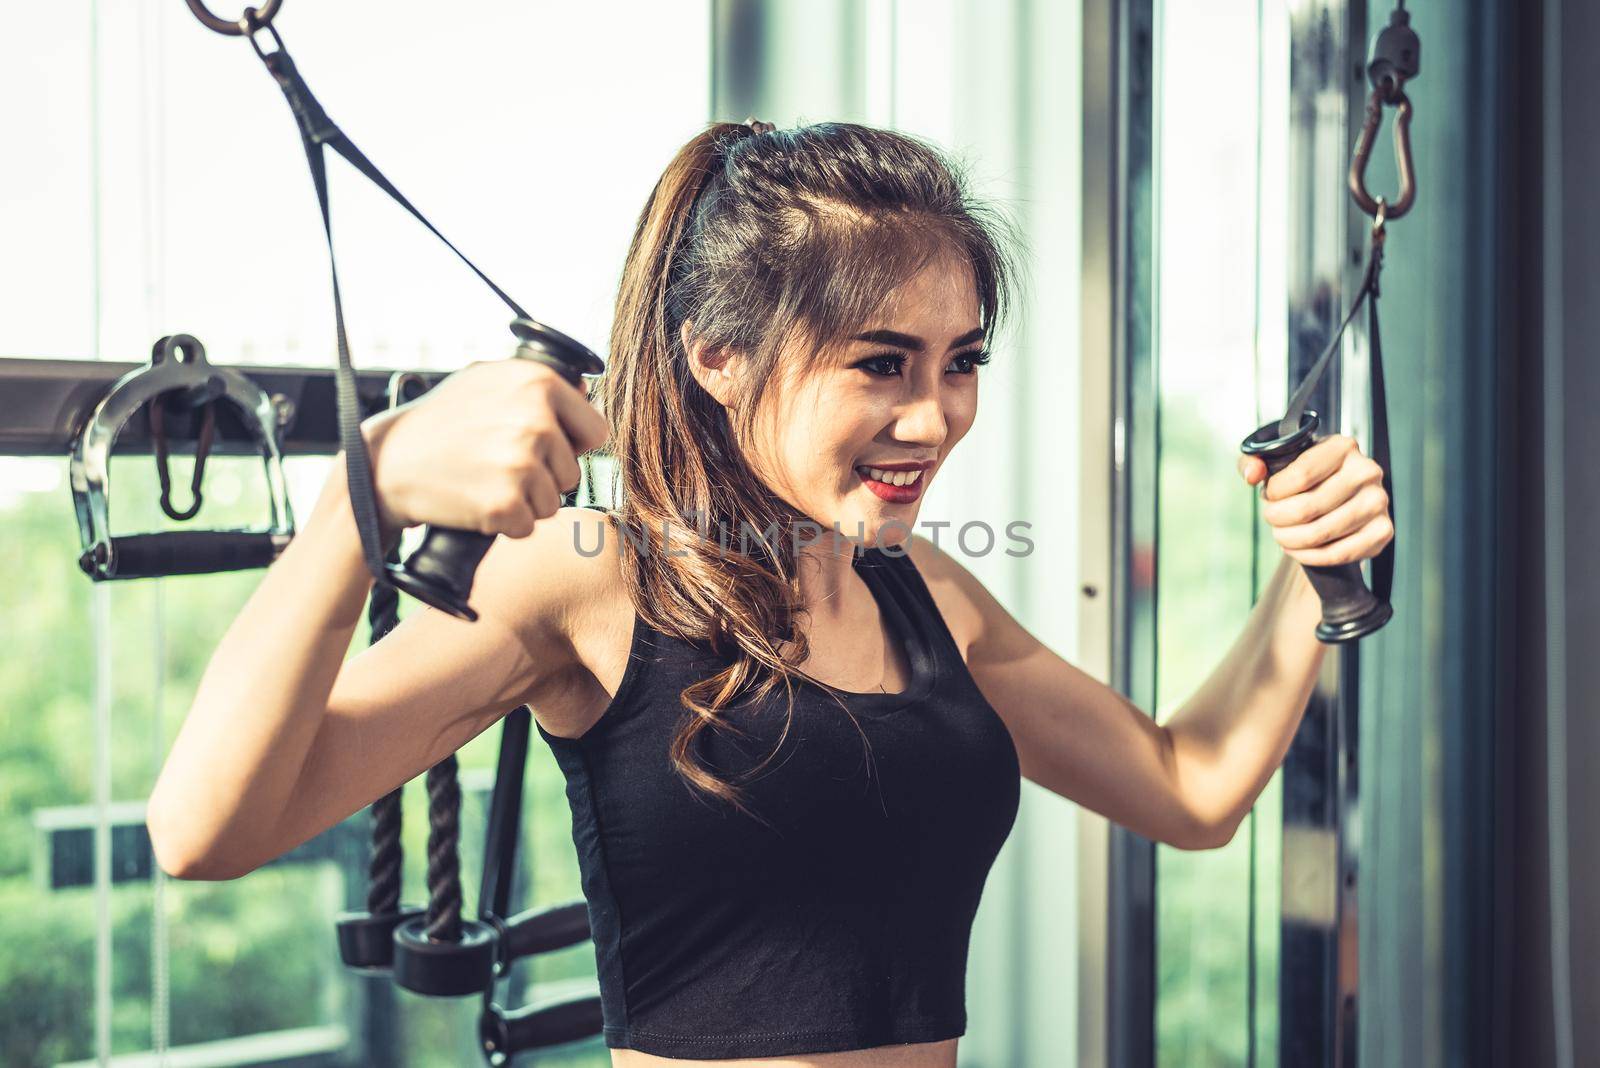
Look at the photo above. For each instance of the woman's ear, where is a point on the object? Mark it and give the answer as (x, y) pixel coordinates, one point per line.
(715, 369)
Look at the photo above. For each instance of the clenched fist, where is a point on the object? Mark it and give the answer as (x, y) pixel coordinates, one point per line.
(489, 449)
(1328, 506)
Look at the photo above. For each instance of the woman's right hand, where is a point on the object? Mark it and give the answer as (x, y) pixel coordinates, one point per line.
(489, 449)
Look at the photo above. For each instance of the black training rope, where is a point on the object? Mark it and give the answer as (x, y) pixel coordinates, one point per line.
(384, 866)
(385, 863)
(444, 860)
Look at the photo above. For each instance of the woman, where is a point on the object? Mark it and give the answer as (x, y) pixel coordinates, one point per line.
(791, 756)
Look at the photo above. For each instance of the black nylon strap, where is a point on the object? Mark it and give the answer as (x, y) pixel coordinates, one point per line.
(317, 130)
(1302, 395)
(322, 130)
(1383, 563)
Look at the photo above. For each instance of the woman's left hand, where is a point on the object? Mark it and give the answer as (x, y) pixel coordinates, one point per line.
(1328, 507)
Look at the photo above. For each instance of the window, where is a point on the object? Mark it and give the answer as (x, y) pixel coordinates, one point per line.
(1218, 371)
(165, 191)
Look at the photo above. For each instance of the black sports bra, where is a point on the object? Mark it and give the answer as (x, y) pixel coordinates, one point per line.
(846, 926)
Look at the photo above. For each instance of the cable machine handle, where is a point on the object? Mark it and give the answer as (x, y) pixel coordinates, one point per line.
(1349, 609)
(440, 572)
(182, 552)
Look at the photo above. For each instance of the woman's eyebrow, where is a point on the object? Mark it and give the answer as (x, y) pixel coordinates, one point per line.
(911, 341)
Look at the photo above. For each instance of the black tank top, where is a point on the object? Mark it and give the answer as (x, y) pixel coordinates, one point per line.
(846, 924)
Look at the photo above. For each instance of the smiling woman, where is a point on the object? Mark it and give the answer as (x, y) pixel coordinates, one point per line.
(749, 377)
(795, 357)
(796, 348)
(766, 876)
(888, 417)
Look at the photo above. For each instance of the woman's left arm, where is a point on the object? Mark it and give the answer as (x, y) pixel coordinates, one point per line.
(1189, 782)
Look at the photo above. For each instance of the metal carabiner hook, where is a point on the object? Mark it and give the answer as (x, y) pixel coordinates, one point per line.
(244, 26)
(1402, 152)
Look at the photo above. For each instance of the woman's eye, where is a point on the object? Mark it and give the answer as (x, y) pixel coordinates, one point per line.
(873, 364)
(889, 364)
(974, 360)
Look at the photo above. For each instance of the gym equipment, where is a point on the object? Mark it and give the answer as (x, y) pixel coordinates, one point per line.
(177, 381)
(435, 951)
(440, 572)
(1349, 609)
(366, 938)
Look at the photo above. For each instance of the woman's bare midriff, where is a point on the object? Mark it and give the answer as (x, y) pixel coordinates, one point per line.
(911, 1055)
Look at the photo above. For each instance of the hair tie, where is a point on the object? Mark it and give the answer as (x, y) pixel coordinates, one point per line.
(757, 126)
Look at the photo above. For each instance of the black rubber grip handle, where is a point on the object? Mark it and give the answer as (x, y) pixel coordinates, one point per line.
(505, 1034)
(545, 930)
(441, 570)
(1349, 608)
(182, 552)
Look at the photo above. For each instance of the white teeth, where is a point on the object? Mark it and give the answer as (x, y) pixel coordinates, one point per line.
(893, 478)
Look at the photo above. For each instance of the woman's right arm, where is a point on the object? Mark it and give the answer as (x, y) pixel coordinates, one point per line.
(285, 738)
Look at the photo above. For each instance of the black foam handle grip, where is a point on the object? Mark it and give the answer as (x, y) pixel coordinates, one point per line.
(505, 1034)
(182, 552)
(440, 572)
(1349, 608)
(545, 930)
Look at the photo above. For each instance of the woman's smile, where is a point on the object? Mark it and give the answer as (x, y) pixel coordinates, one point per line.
(894, 486)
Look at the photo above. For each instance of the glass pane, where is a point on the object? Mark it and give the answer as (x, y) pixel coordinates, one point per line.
(169, 193)
(1218, 237)
(226, 954)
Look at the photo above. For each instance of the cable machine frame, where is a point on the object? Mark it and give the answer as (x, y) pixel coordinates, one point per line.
(1317, 983)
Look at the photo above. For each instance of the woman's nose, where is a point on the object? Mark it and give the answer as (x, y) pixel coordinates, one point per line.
(922, 419)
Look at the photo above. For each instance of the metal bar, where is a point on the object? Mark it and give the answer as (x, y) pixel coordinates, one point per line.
(1130, 936)
(301, 1047)
(1527, 229)
(43, 403)
(64, 849)
(64, 853)
(739, 36)
(1100, 590)
(1317, 983)
(758, 69)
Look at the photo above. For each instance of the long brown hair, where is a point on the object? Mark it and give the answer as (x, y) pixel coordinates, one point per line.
(757, 239)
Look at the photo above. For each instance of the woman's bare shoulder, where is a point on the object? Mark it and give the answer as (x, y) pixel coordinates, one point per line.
(576, 602)
(598, 596)
(560, 582)
(954, 589)
(983, 627)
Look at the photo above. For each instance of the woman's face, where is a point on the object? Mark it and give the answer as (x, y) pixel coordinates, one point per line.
(898, 394)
